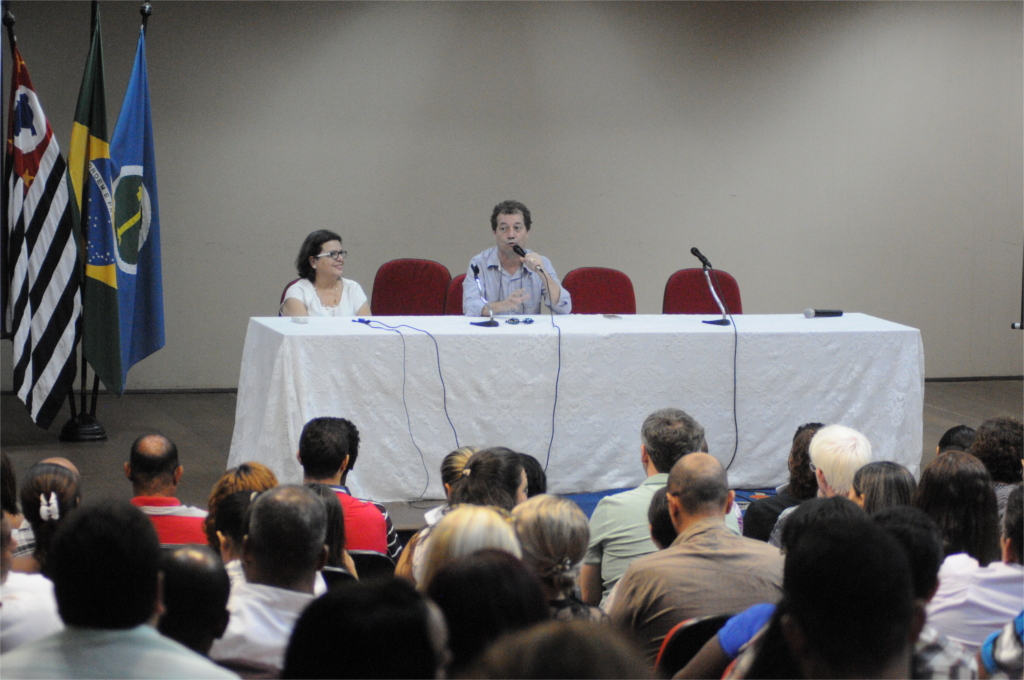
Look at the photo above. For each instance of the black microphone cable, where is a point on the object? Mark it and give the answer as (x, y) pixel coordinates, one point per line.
(735, 348)
(558, 370)
(373, 323)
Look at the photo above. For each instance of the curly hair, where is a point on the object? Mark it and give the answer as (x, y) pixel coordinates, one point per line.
(246, 477)
(999, 444)
(802, 483)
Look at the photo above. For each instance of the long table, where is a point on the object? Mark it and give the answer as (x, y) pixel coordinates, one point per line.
(499, 390)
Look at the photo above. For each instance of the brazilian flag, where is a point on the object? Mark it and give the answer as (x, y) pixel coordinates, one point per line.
(90, 168)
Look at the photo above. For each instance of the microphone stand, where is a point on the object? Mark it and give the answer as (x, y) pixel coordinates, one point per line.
(716, 322)
(490, 323)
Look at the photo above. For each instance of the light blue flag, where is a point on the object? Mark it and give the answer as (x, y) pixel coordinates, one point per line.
(137, 222)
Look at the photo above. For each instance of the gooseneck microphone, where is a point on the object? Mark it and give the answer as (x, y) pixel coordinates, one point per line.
(724, 321)
(490, 323)
(703, 260)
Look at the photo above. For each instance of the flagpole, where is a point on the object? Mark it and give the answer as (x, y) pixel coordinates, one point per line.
(145, 10)
(83, 426)
(4, 264)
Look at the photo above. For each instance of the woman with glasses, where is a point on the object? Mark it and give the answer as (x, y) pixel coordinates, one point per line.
(320, 290)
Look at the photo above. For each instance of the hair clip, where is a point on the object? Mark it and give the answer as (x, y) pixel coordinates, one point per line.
(465, 472)
(51, 510)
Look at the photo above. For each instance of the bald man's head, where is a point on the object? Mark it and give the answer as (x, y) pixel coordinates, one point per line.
(699, 483)
(153, 466)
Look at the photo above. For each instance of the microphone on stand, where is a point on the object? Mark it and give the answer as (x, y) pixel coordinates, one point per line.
(703, 260)
(490, 323)
(724, 321)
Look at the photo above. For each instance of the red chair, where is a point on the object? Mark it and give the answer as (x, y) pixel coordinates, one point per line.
(453, 301)
(687, 293)
(409, 287)
(597, 290)
(684, 641)
(290, 284)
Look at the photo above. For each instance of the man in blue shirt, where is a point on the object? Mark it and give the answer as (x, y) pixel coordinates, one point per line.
(512, 283)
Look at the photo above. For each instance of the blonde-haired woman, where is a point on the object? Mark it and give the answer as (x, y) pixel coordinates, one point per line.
(553, 533)
(461, 532)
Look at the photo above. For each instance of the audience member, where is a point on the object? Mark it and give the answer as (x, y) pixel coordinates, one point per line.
(761, 515)
(493, 477)
(24, 539)
(246, 477)
(196, 589)
(999, 444)
(536, 478)
(973, 601)
(451, 471)
(105, 564)
(956, 492)
(281, 555)
(48, 493)
(663, 532)
(9, 492)
(328, 448)
(707, 570)
(462, 532)
(553, 534)
(837, 452)
(483, 596)
(619, 532)
(1002, 653)
(27, 603)
(882, 484)
(154, 472)
(562, 649)
(231, 526)
(714, 657)
(847, 610)
(935, 655)
(383, 629)
(956, 438)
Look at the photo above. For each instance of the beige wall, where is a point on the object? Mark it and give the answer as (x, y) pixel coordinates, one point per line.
(864, 156)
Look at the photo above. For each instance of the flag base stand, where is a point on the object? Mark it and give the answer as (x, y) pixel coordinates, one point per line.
(83, 428)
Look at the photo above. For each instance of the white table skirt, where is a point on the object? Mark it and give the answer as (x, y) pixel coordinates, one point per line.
(856, 370)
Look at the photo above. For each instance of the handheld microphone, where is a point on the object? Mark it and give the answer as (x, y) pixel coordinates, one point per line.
(703, 260)
(518, 250)
(812, 313)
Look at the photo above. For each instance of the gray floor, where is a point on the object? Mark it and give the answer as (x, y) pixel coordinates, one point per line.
(201, 425)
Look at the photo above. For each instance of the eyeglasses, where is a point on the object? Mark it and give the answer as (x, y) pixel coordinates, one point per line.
(335, 254)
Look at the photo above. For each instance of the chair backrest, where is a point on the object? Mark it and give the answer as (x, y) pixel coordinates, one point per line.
(335, 575)
(290, 284)
(409, 287)
(598, 290)
(453, 301)
(372, 564)
(686, 292)
(684, 641)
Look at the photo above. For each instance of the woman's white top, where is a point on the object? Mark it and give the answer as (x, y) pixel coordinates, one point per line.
(352, 298)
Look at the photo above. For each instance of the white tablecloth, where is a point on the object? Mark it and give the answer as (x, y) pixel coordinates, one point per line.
(856, 370)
